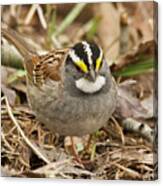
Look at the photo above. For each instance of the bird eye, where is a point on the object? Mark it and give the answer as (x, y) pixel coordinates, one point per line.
(81, 65)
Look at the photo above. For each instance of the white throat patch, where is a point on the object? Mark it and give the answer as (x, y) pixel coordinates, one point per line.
(90, 87)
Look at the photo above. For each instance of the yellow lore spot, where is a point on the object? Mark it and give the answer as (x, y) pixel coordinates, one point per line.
(98, 63)
(82, 65)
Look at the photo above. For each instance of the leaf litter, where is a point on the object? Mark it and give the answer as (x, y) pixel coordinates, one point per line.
(30, 150)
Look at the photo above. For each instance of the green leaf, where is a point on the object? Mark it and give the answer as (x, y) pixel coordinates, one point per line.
(136, 68)
(79, 147)
(52, 24)
(13, 77)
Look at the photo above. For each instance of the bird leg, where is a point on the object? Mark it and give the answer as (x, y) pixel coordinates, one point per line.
(74, 151)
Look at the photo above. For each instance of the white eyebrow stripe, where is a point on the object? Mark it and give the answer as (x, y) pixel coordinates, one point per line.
(73, 56)
(89, 52)
(101, 52)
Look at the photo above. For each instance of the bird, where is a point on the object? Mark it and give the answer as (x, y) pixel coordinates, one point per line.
(70, 90)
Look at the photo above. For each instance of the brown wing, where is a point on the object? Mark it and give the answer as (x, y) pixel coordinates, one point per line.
(39, 68)
(49, 66)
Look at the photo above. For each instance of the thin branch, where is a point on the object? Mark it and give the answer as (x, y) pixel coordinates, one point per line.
(128, 170)
(41, 17)
(120, 129)
(30, 14)
(39, 154)
(6, 142)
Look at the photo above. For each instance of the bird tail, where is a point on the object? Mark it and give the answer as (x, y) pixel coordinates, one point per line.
(17, 40)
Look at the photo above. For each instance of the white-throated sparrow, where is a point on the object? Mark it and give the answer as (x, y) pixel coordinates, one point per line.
(71, 90)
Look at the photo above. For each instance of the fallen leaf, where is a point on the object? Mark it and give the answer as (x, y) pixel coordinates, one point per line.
(59, 169)
(143, 19)
(108, 29)
(146, 49)
(12, 79)
(148, 104)
(9, 93)
(128, 105)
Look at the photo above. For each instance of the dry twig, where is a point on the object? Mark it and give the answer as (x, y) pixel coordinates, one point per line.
(40, 155)
(128, 170)
(119, 129)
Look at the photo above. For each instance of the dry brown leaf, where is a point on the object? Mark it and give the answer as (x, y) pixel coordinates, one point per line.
(148, 104)
(143, 19)
(137, 155)
(145, 86)
(5, 72)
(8, 92)
(109, 29)
(128, 105)
(142, 50)
(60, 169)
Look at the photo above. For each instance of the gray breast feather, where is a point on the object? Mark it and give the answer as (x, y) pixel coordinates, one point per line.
(74, 114)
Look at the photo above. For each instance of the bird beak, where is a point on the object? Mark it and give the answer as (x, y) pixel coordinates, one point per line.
(92, 75)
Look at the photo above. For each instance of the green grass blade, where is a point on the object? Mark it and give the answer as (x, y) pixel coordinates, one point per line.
(51, 27)
(91, 27)
(69, 18)
(136, 68)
